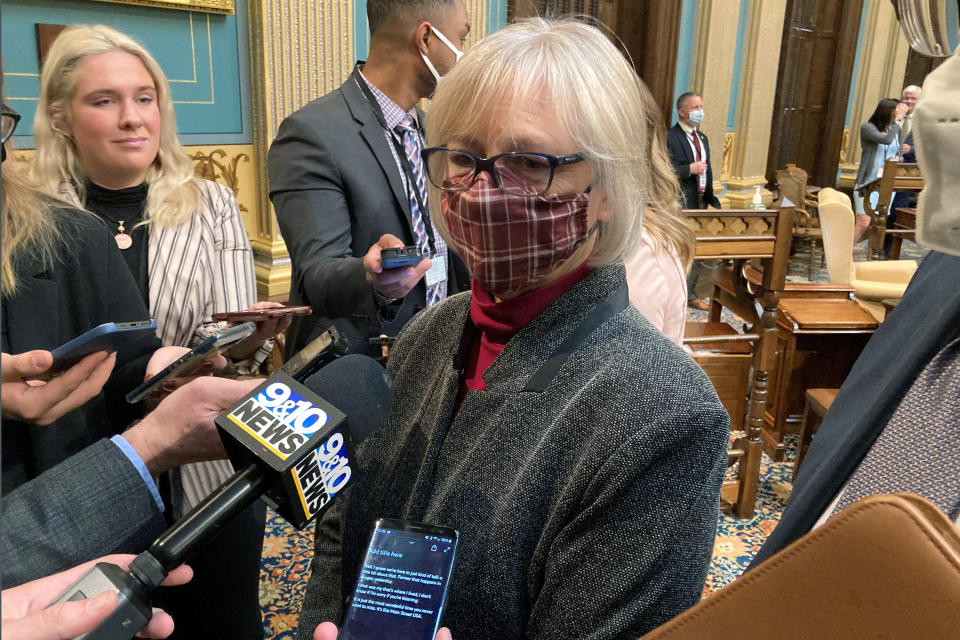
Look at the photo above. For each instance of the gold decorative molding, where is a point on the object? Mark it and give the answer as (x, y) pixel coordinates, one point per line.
(218, 166)
(729, 142)
(298, 51)
(844, 141)
(209, 6)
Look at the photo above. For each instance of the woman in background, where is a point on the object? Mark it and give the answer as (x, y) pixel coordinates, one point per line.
(657, 272)
(879, 141)
(106, 139)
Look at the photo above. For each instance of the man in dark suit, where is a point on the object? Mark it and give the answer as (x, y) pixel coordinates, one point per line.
(690, 156)
(347, 181)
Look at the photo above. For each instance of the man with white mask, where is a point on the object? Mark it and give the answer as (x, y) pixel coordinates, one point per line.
(902, 397)
(347, 181)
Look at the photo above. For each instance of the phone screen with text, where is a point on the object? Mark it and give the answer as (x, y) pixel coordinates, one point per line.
(402, 585)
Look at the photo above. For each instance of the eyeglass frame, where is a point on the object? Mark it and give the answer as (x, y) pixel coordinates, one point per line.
(7, 112)
(488, 165)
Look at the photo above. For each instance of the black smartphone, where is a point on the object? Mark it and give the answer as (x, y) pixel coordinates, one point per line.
(403, 582)
(396, 258)
(110, 336)
(193, 358)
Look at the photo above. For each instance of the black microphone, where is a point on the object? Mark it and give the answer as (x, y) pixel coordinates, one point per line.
(291, 447)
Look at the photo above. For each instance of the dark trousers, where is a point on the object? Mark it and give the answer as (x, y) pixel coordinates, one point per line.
(223, 599)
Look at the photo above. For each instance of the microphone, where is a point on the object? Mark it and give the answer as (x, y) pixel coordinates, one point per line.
(291, 447)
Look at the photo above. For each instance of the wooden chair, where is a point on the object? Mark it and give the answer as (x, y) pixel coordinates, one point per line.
(738, 236)
(897, 176)
(792, 183)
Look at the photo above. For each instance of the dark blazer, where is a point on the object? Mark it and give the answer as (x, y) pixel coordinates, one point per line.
(681, 157)
(585, 510)
(91, 504)
(925, 321)
(336, 189)
(89, 285)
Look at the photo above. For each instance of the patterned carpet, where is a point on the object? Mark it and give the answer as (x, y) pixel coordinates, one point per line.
(287, 552)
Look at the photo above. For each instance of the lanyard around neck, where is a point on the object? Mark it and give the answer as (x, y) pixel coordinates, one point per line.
(401, 154)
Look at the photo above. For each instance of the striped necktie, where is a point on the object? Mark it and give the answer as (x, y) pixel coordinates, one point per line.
(411, 147)
(919, 449)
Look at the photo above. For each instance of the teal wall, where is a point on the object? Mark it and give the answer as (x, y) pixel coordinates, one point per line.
(204, 55)
(496, 19)
(953, 9)
(738, 65)
(685, 45)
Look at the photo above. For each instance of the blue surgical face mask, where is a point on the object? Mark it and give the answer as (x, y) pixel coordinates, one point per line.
(444, 40)
(696, 117)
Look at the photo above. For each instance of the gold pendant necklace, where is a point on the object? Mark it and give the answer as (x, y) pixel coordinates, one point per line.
(124, 241)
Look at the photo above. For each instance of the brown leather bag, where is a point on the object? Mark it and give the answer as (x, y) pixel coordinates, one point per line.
(886, 567)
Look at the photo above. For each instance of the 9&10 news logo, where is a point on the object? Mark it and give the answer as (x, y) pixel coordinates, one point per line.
(279, 418)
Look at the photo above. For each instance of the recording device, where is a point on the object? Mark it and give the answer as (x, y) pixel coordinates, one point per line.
(192, 359)
(256, 315)
(397, 258)
(318, 353)
(110, 337)
(291, 446)
(402, 586)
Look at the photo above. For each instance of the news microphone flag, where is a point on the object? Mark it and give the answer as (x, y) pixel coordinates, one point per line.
(300, 436)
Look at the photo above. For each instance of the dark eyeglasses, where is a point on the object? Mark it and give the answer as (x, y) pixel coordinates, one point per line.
(9, 123)
(519, 172)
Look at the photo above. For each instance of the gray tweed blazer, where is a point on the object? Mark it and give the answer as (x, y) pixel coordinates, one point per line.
(587, 510)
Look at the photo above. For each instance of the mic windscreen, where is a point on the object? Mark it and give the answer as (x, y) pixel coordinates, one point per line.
(358, 386)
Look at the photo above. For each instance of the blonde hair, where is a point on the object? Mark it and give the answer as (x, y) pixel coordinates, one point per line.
(173, 195)
(598, 99)
(28, 224)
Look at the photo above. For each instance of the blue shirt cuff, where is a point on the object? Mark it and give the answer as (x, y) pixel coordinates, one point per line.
(142, 468)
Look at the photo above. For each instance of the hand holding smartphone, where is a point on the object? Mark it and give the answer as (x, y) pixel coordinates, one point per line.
(397, 258)
(190, 361)
(403, 582)
(109, 337)
(259, 315)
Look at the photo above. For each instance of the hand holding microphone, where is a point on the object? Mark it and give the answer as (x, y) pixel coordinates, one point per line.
(290, 446)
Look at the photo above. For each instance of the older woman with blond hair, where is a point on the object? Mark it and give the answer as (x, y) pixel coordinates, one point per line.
(106, 140)
(578, 452)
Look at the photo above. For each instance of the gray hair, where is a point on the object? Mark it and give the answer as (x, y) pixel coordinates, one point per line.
(599, 101)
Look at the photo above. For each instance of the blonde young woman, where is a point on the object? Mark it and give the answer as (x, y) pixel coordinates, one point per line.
(106, 140)
(577, 450)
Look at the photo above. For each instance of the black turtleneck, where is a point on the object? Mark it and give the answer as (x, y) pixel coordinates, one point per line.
(114, 205)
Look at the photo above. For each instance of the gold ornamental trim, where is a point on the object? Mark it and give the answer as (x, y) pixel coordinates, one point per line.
(208, 6)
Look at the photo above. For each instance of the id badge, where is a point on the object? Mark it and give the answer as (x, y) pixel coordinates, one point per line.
(438, 272)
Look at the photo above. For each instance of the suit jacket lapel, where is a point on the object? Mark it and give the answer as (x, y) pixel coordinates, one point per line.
(372, 133)
(687, 150)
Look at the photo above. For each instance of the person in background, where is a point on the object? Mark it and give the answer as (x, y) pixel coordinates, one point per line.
(908, 154)
(346, 181)
(690, 156)
(879, 141)
(106, 139)
(656, 274)
(577, 450)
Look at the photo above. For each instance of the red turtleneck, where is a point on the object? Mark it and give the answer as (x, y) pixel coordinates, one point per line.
(499, 321)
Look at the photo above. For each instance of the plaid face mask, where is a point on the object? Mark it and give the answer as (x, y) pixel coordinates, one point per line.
(509, 241)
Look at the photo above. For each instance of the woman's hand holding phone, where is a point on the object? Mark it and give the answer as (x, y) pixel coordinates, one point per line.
(329, 631)
(42, 403)
(266, 329)
(164, 356)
